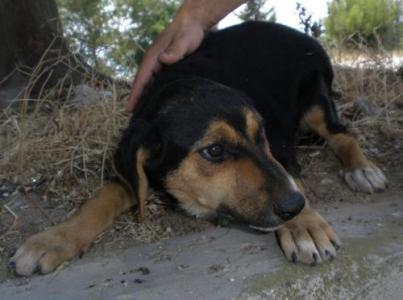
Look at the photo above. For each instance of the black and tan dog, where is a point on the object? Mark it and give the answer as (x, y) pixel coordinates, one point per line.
(217, 132)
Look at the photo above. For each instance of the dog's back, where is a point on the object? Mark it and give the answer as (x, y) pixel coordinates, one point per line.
(253, 57)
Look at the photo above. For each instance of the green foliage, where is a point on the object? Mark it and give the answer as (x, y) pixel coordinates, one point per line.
(112, 35)
(310, 27)
(372, 22)
(149, 18)
(254, 11)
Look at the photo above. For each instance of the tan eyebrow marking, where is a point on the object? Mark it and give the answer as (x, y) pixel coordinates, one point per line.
(218, 129)
(252, 125)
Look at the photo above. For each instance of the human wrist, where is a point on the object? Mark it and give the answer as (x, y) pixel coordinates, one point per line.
(205, 13)
(192, 14)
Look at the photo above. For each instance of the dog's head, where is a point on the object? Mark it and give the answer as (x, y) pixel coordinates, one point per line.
(206, 146)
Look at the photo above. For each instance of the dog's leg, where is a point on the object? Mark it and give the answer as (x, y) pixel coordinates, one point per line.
(307, 238)
(45, 251)
(359, 173)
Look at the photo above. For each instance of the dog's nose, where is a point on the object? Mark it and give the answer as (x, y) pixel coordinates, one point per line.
(289, 206)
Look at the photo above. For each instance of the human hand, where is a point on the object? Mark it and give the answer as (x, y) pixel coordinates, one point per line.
(181, 37)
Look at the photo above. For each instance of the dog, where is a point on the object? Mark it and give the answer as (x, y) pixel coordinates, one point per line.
(217, 132)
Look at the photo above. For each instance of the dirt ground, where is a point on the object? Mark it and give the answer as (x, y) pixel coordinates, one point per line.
(29, 206)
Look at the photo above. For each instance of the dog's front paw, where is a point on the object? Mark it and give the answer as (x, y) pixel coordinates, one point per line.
(368, 179)
(43, 253)
(308, 238)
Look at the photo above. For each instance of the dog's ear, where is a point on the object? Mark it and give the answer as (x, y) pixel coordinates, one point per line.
(135, 149)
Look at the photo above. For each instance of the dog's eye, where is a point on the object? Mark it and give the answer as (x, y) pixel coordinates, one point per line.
(213, 152)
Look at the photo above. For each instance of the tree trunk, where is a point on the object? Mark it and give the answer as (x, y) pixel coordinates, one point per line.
(33, 49)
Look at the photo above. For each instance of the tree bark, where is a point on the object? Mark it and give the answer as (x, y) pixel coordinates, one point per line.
(32, 39)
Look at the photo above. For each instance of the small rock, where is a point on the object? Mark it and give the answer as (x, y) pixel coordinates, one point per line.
(314, 154)
(84, 95)
(368, 108)
(326, 181)
(215, 268)
(144, 270)
(182, 267)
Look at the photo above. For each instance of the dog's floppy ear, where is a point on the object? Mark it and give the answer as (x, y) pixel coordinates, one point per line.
(135, 148)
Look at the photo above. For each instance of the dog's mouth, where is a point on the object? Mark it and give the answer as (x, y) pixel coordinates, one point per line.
(226, 215)
(265, 229)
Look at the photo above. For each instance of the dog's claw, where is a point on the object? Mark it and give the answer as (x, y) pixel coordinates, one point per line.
(294, 257)
(12, 253)
(315, 259)
(11, 266)
(336, 244)
(37, 270)
(329, 254)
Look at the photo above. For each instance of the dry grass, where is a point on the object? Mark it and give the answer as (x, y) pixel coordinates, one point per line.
(62, 144)
(371, 90)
